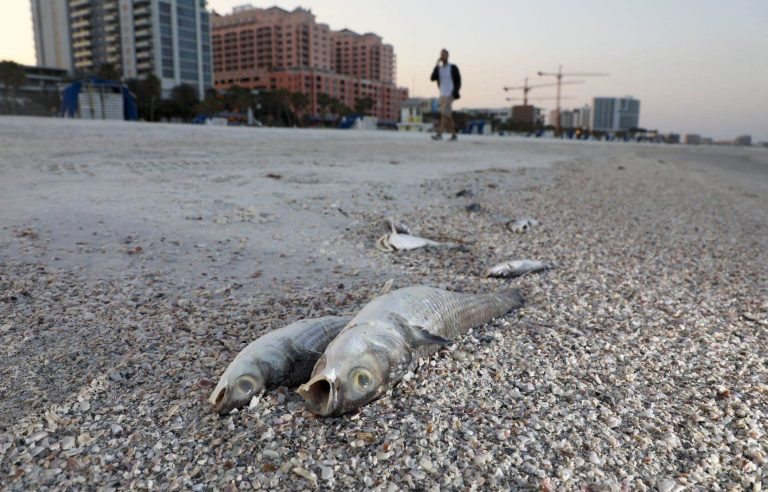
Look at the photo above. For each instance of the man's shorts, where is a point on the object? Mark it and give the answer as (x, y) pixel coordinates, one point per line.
(446, 105)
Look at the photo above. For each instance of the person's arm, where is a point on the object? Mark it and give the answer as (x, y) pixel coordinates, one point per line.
(435, 75)
(456, 76)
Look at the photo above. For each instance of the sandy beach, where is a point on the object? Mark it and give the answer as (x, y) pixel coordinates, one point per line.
(136, 260)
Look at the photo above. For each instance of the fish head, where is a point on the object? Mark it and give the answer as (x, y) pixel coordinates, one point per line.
(356, 368)
(239, 383)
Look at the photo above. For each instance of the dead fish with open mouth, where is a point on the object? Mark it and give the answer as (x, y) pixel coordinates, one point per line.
(387, 336)
(516, 268)
(283, 357)
(522, 225)
(397, 241)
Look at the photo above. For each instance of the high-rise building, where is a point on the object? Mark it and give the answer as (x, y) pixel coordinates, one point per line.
(582, 117)
(363, 56)
(50, 19)
(167, 38)
(692, 139)
(611, 114)
(745, 140)
(275, 48)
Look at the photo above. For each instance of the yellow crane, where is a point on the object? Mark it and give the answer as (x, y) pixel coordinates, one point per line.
(559, 75)
(527, 88)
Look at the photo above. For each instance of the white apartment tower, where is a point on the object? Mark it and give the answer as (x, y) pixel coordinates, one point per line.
(50, 20)
(168, 38)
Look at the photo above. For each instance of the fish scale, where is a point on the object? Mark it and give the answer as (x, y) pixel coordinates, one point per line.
(440, 312)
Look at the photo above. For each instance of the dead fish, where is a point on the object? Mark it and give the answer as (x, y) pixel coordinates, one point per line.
(516, 268)
(283, 357)
(380, 344)
(395, 241)
(522, 225)
(400, 227)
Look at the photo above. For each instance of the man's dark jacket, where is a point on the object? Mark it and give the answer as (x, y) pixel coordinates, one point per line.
(455, 75)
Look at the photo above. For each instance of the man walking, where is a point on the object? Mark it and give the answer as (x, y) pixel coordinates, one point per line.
(448, 80)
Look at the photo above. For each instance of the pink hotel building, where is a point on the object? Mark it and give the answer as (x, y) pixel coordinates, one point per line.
(274, 49)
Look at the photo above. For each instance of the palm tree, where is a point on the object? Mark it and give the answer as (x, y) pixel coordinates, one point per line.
(299, 102)
(12, 76)
(323, 102)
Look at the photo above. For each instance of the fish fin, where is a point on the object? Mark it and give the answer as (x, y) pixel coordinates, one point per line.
(423, 337)
(387, 287)
(418, 335)
(383, 244)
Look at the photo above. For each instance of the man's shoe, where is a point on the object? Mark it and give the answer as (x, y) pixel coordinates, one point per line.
(437, 137)
(453, 138)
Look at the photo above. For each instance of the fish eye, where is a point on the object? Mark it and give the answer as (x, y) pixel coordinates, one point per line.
(245, 385)
(361, 378)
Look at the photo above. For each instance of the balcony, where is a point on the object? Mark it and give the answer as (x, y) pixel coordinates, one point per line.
(81, 23)
(73, 4)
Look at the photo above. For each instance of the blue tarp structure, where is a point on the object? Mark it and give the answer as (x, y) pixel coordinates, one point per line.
(475, 127)
(69, 97)
(348, 121)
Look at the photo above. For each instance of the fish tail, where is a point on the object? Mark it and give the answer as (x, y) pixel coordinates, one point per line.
(511, 297)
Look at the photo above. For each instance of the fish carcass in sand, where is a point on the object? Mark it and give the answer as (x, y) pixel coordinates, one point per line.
(283, 357)
(396, 241)
(516, 268)
(522, 225)
(379, 345)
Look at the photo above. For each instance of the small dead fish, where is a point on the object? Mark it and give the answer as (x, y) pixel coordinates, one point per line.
(283, 357)
(400, 227)
(516, 268)
(376, 349)
(395, 241)
(522, 225)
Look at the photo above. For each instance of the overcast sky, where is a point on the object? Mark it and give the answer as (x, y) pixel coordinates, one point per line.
(697, 66)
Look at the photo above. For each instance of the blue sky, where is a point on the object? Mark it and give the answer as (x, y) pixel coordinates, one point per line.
(698, 66)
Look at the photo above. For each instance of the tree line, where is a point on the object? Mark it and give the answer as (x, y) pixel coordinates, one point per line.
(278, 107)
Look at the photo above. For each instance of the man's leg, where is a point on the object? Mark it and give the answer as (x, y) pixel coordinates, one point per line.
(443, 120)
(451, 127)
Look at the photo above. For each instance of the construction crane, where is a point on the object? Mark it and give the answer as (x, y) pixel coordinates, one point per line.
(536, 98)
(559, 75)
(527, 88)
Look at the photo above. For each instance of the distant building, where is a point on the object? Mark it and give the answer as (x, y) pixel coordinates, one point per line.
(582, 117)
(745, 140)
(39, 96)
(501, 114)
(364, 56)
(691, 139)
(274, 48)
(613, 114)
(53, 45)
(418, 114)
(527, 115)
(167, 38)
(571, 118)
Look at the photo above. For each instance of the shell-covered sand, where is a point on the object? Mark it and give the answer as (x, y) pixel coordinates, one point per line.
(136, 260)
